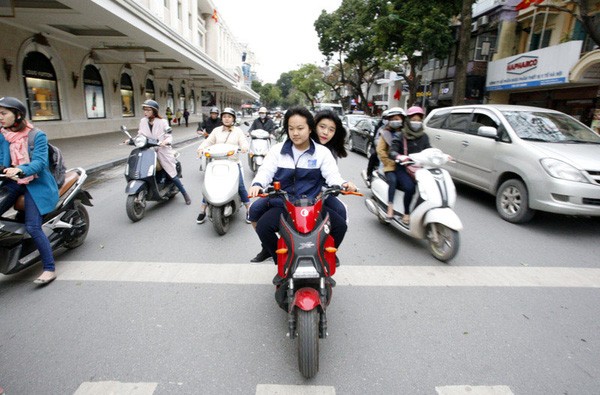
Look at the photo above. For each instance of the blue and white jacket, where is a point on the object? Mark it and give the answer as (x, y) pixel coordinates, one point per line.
(315, 168)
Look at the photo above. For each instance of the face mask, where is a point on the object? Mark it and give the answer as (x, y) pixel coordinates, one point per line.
(385, 122)
(415, 125)
(395, 124)
(262, 116)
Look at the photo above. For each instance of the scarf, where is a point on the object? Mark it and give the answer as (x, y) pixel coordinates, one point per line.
(19, 150)
(411, 134)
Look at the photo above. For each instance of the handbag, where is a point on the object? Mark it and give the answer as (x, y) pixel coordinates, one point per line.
(410, 169)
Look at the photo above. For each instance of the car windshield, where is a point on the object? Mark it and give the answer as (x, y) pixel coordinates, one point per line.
(549, 127)
(354, 120)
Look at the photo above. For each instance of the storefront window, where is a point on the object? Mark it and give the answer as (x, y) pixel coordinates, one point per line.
(41, 87)
(192, 108)
(94, 92)
(182, 98)
(127, 95)
(149, 92)
(208, 99)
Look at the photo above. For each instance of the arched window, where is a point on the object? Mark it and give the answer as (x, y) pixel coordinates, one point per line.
(94, 92)
(149, 92)
(41, 87)
(127, 103)
(181, 104)
(192, 108)
(170, 96)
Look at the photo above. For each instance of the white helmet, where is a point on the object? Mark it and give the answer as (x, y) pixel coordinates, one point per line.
(262, 109)
(396, 111)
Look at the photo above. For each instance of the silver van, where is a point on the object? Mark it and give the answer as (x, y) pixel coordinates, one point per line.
(530, 158)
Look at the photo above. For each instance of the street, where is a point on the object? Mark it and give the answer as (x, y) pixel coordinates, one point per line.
(166, 306)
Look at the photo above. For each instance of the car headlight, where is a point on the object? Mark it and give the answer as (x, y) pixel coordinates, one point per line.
(140, 141)
(559, 169)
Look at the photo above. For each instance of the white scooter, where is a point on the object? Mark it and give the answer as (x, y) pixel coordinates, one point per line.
(432, 216)
(260, 143)
(221, 183)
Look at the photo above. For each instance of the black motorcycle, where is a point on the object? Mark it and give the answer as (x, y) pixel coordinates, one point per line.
(146, 180)
(66, 226)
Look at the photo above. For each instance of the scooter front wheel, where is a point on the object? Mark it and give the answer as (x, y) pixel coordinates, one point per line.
(219, 220)
(136, 206)
(308, 342)
(443, 242)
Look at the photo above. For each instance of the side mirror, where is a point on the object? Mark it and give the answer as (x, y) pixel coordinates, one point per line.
(487, 131)
(246, 123)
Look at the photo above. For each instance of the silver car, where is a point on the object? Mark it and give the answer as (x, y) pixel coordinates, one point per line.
(530, 158)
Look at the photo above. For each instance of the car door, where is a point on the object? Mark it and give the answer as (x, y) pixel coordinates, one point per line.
(478, 153)
(362, 134)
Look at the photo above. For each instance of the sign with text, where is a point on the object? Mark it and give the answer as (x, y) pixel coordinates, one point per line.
(546, 66)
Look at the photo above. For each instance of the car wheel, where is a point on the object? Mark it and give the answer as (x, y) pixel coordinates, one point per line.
(351, 143)
(512, 202)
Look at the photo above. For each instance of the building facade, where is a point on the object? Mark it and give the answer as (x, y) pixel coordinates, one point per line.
(85, 67)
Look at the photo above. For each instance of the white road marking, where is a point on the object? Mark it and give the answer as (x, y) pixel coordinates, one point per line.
(473, 390)
(347, 275)
(274, 389)
(116, 388)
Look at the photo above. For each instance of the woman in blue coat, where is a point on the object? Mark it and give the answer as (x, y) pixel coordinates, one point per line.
(27, 173)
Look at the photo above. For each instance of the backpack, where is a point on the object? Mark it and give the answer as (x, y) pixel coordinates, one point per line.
(56, 162)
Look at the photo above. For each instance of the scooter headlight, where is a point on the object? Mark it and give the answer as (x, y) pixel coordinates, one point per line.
(140, 141)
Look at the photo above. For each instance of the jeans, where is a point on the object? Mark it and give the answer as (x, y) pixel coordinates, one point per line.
(400, 179)
(33, 220)
(178, 184)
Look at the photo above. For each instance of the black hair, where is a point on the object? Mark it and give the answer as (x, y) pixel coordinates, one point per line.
(304, 113)
(337, 142)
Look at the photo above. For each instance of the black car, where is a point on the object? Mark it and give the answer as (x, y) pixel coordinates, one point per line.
(361, 136)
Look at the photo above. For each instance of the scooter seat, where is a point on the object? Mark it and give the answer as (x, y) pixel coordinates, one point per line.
(70, 178)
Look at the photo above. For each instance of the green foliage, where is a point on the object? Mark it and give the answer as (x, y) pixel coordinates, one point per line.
(308, 81)
(270, 95)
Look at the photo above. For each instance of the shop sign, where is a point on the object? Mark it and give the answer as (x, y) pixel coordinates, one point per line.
(546, 66)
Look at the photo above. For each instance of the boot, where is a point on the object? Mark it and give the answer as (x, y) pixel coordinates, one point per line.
(187, 198)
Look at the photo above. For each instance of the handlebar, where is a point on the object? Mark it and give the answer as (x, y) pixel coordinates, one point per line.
(333, 190)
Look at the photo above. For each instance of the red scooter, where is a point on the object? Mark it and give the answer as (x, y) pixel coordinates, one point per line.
(306, 260)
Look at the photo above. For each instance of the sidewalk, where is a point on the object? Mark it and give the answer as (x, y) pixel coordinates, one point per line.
(98, 152)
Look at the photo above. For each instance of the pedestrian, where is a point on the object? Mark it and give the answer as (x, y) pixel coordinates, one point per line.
(207, 125)
(153, 126)
(36, 183)
(178, 116)
(186, 116)
(169, 114)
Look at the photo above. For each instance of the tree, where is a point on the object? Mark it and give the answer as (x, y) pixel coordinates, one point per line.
(285, 84)
(414, 31)
(308, 81)
(585, 12)
(462, 58)
(270, 95)
(347, 37)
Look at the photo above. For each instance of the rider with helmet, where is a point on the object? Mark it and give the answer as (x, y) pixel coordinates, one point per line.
(155, 127)
(230, 134)
(374, 159)
(409, 140)
(207, 125)
(263, 122)
(28, 173)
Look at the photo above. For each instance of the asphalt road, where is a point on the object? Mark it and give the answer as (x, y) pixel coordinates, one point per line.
(167, 306)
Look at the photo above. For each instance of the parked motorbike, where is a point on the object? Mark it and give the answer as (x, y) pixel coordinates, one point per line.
(260, 143)
(432, 216)
(221, 184)
(66, 226)
(306, 262)
(146, 180)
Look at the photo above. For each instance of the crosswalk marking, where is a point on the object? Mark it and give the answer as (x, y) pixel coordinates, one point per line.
(274, 389)
(473, 390)
(347, 275)
(115, 388)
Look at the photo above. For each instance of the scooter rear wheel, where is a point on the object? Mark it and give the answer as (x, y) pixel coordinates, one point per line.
(136, 206)
(82, 218)
(447, 243)
(308, 342)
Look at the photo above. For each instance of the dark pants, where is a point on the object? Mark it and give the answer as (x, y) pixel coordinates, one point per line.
(268, 224)
(372, 165)
(178, 184)
(399, 179)
(33, 220)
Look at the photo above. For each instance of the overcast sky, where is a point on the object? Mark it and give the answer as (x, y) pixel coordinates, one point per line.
(280, 32)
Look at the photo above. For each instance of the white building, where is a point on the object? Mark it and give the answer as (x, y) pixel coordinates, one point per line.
(85, 66)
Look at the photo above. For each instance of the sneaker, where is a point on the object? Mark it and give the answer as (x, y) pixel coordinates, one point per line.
(201, 218)
(248, 217)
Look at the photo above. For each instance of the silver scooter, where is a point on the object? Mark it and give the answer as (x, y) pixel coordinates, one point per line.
(260, 143)
(221, 183)
(432, 216)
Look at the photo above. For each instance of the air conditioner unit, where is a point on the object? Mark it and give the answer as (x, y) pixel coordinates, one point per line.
(474, 26)
(484, 20)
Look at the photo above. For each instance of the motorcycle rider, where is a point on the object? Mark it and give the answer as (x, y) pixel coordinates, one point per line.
(262, 122)
(155, 127)
(374, 159)
(206, 126)
(416, 141)
(231, 134)
(303, 168)
(36, 182)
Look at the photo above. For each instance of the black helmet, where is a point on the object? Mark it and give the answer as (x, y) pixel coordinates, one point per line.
(215, 110)
(13, 103)
(228, 110)
(151, 104)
